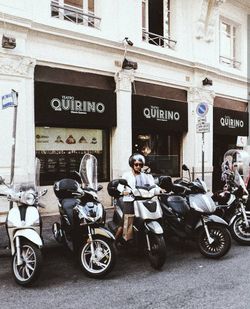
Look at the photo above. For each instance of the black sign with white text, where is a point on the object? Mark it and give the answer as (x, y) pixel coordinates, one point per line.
(74, 107)
(230, 122)
(159, 114)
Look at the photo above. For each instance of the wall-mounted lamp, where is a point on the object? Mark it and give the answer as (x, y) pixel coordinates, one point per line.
(8, 42)
(129, 65)
(207, 82)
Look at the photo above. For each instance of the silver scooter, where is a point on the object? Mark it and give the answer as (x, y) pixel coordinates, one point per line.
(23, 224)
(146, 230)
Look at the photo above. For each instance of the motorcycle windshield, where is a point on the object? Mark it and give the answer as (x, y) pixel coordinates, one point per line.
(239, 160)
(239, 181)
(88, 171)
(30, 182)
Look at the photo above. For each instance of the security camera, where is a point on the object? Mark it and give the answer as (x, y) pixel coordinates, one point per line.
(130, 43)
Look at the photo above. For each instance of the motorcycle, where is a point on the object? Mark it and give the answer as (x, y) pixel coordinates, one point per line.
(145, 230)
(188, 212)
(82, 228)
(24, 229)
(231, 205)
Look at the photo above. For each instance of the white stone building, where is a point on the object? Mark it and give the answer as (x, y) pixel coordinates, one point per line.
(77, 94)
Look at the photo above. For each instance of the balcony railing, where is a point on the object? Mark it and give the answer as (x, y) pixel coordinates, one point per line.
(230, 62)
(74, 15)
(158, 40)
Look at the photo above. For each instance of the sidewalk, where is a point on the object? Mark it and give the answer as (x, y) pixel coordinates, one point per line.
(48, 237)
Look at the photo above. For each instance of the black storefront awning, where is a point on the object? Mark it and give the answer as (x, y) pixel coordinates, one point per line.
(74, 107)
(159, 114)
(230, 122)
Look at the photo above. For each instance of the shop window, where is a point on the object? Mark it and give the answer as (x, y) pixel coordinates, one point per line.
(60, 151)
(77, 11)
(229, 44)
(156, 23)
(162, 151)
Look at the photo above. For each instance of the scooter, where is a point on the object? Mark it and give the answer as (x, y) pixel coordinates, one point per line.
(82, 228)
(24, 228)
(188, 212)
(143, 229)
(231, 205)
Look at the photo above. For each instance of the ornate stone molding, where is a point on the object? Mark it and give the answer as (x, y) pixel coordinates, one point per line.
(197, 95)
(123, 80)
(16, 65)
(208, 17)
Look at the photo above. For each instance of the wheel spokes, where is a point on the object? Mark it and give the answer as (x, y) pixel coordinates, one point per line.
(26, 270)
(99, 260)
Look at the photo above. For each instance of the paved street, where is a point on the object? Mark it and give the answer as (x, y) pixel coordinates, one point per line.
(187, 280)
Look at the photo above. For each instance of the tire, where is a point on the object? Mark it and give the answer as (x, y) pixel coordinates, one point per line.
(239, 232)
(157, 254)
(28, 272)
(220, 246)
(101, 245)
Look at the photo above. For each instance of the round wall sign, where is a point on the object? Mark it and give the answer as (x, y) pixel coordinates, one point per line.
(202, 109)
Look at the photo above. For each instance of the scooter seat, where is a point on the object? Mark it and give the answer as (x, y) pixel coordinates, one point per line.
(178, 204)
(68, 204)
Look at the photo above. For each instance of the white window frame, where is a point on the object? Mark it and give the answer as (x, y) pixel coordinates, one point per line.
(73, 11)
(145, 20)
(166, 24)
(233, 59)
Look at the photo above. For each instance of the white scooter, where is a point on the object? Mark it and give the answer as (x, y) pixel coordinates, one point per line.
(23, 225)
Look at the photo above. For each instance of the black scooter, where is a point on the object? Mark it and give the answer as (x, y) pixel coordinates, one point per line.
(231, 206)
(188, 214)
(82, 221)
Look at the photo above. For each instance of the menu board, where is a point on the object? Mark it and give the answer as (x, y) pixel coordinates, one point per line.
(62, 164)
(60, 151)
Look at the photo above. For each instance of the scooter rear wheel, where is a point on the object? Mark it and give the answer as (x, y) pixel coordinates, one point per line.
(31, 256)
(221, 244)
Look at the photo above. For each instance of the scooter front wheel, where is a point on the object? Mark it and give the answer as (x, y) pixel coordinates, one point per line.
(31, 257)
(157, 253)
(239, 231)
(99, 262)
(221, 241)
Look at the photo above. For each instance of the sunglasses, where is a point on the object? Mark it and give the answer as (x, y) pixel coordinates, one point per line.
(138, 164)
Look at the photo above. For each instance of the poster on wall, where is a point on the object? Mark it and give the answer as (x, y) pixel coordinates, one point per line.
(60, 150)
(65, 139)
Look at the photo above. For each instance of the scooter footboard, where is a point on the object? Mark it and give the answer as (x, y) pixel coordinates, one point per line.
(29, 234)
(154, 226)
(212, 218)
(103, 232)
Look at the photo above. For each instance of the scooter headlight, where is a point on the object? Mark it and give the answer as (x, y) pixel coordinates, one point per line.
(91, 212)
(28, 198)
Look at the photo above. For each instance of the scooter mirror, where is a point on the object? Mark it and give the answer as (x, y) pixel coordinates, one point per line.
(185, 168)
(77, 177)
(123, 182)
(99, 188)
(44, 192)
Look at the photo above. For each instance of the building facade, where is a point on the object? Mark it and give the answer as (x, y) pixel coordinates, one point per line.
(150, 77)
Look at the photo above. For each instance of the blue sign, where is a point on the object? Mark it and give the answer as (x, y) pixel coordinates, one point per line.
(10, 99)
(202, 109)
